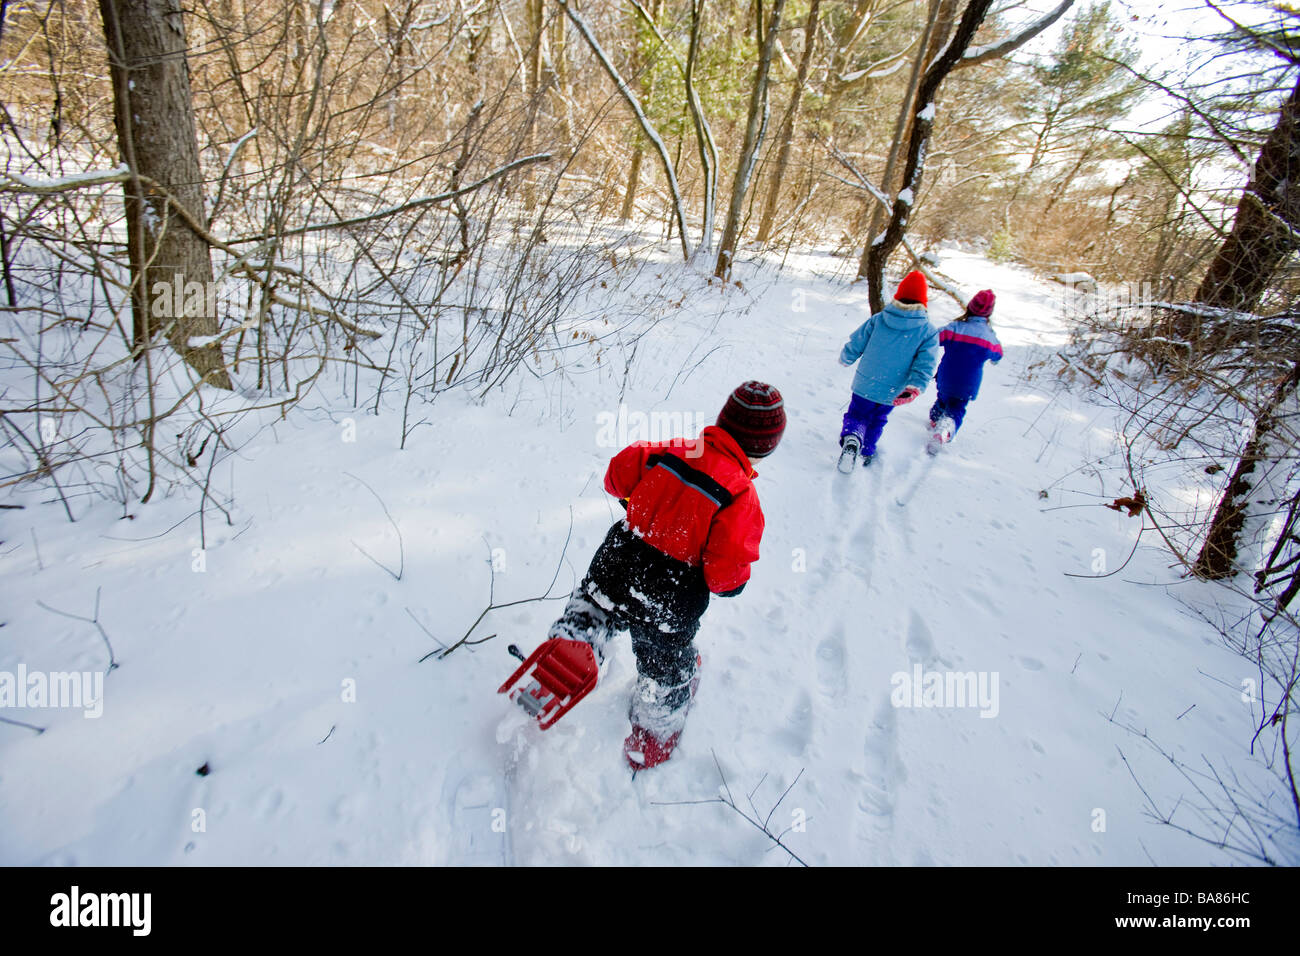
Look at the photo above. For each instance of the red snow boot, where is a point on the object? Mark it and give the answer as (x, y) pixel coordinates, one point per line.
(643, 749)
(562, 671)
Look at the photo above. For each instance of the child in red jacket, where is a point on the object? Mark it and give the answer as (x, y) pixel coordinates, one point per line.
(692, 529)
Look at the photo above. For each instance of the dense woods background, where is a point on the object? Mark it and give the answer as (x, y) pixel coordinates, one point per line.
(1080, 157)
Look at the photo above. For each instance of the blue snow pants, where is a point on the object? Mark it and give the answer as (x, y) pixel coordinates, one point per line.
(954, 408)
(866, 419)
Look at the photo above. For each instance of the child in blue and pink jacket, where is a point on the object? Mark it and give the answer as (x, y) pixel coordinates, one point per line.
(967, 344)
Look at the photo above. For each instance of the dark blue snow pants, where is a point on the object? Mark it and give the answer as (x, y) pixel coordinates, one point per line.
(954, 408)
(866, 419)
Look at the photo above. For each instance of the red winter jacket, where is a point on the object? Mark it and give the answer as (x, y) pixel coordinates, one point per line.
(693, 500)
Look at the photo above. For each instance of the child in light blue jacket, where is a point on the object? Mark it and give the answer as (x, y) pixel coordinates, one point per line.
(896, 351)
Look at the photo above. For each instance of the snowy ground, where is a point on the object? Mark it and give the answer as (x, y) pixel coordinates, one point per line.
(288, 665)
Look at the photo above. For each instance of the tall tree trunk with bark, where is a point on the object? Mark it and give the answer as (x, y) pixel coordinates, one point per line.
(879, 249)
(1228, 532)
(154, 116)
(1263, 237)
(534, 85)
(938, 27)
(903, 125)
(1264, 232)
(757, 123)
(561, 86)
(639, 67)
(785, 137)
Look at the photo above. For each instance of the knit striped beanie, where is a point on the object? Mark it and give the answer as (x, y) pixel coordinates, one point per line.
(755, 416)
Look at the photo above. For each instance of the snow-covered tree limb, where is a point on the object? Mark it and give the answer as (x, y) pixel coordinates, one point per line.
(992, 51)
(18, 183)
(412, 204)
(881, 68)
(934, 278)
(634, 104)
(703, 132)
(14, 182)
(878, 250)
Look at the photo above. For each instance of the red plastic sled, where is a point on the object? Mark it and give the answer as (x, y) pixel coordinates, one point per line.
(556, 676)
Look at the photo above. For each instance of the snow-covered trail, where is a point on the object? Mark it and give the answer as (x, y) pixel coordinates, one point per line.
(968, 575)
(289, 663)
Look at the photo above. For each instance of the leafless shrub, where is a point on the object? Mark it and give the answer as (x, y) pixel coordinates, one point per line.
(1208, 435)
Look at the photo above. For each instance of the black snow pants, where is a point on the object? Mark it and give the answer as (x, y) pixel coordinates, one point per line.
(633, 587)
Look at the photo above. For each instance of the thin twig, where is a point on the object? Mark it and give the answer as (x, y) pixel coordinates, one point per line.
(401, 550)
(19, 723)
(112, 659)
(730, 801)
(493, 606)
(428, 632)
(1094, 577)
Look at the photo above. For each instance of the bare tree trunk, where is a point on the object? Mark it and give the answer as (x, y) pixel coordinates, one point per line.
(903, 125)
(703, 133)
(154, 116)
(633, 178)
(561, 85)
(758, 111)
(938, 27)
(785, 138)
(879, 249)
(1218, 556)
(670, 173)
(533, 85)
(639, 66)
(1263, 237)
(1264, 231)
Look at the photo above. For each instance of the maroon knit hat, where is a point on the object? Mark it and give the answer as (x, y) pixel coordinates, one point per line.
(982, 303)
(755, 416)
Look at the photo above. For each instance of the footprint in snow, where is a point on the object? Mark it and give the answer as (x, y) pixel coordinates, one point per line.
(980, 598)
(345, 809)
(881, 754)
(920, 642)
(864, 539)
(859, 555)
(831, 678)
(798, 729)
(882, 772)
(268, 804)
